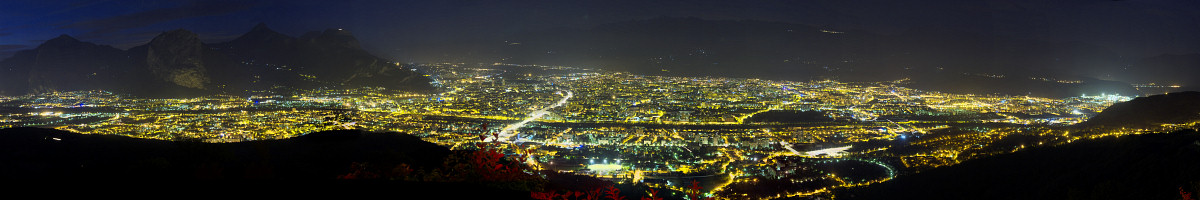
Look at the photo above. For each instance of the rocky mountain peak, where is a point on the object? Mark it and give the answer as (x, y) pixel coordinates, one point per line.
(177, 57)
(260, 27)
(61, 39)
(63, 43)
(177, 64)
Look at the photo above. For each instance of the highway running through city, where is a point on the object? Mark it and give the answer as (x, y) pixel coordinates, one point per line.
(507, 132)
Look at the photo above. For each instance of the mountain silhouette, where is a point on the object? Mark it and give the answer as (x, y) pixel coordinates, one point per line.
(64, 63)
(333, 56)
(1149, 111)
(1150, 166)
(782, 51)
(177, 64)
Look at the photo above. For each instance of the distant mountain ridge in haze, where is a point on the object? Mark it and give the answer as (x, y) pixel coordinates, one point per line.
(782, 51)
(750, 48)
(63, 63)
(1167, 66)
(1149, 111)
(176, 63)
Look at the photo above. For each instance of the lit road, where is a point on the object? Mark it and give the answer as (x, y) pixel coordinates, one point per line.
(788, 146)
(507, 132)
(832, 152)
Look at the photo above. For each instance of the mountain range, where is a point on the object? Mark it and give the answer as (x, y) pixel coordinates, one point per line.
(782, 51)
(931, 58)
(176, 63)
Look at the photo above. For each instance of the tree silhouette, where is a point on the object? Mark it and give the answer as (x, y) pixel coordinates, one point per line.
(487, 166)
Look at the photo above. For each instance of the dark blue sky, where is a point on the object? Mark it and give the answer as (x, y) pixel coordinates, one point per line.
(1130, 27)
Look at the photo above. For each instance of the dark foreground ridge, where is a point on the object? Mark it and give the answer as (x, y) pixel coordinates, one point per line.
(1150, 111)
(35, 153)
(1153, 166)
(315, 160)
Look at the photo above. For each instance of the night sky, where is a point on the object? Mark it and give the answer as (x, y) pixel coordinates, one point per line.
(1133, 27)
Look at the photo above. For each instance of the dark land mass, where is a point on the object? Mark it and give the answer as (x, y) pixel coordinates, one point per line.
(313, 161)
(177, 64)
(36, 153)
(785, 116)
(1152, 166)
(1149, 111)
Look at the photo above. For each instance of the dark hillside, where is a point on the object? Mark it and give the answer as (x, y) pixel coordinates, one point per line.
(34, 153)
(1153, 166)
(1150, 111)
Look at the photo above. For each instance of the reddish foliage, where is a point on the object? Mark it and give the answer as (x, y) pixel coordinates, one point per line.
(610, 192)
(491, 165)
(614, 193)
(694, 191)
(542, 195)
(488, 165)
(593, 195)
(653, 195)
(359, 171)
(1184, 195)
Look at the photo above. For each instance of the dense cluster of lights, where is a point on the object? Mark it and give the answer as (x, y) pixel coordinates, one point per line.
(625, 127)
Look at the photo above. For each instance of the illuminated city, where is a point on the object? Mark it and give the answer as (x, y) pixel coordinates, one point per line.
(730, 133)
(603, 99)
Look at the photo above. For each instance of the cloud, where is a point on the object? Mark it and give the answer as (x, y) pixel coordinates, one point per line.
(5, 34)
(155, 16)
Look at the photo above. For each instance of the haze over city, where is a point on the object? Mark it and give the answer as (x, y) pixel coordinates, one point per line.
(613, 99)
